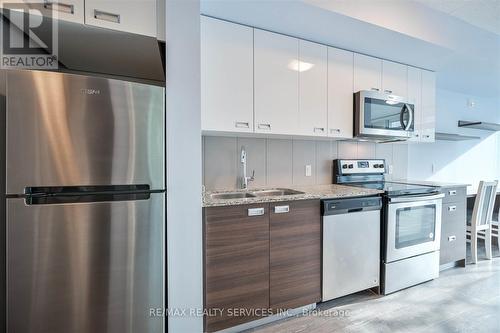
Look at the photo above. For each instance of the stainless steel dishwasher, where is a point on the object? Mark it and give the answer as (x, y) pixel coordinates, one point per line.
(351, 245)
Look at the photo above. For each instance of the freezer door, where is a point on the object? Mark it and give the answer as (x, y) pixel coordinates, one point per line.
(86, 267)
(77, 130)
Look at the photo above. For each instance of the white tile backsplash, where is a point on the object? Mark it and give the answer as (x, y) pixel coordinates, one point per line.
(282, 162)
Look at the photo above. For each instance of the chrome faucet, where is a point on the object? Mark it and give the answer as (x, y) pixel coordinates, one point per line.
(244, 178)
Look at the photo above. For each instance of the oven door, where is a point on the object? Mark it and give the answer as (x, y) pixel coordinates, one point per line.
(413, 226)
(384, 115)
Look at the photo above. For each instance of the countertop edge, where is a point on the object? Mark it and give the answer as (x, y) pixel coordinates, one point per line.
(320, 192)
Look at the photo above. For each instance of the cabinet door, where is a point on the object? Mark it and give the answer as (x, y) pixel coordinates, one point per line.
(415, 98)
(453, 241)
(428, 106)
(136, 16)
(276, 83)
(367, 73)
(340, 93)
(226, 76)
(295, 266)
(313, 76)
(236, 263)
(66, 10)
(394, 78)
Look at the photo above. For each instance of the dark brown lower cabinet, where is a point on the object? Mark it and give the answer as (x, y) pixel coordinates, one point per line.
(260, 258)
(295, 255)
(236, 264)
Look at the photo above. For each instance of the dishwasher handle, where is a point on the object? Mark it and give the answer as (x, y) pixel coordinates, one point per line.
(350, 205)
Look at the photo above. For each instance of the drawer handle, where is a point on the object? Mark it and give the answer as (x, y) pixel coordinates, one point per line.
(60, 7)
(255, 211)
(334, 130)
(452, 238)
(104, 16)
(319, 129)
(453, 192)
(281, 209)
(452, 208)
(375, 89)
(265, 127)
(242, 124)
(388, 91)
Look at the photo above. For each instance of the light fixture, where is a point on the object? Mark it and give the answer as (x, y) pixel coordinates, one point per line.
(300, 66)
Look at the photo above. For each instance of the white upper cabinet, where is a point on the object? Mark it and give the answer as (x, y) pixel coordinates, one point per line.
(428, 122)
(340, 93)
(138, 16)
(415, 98)
(313, 75)
(276, 70)
(367, 73)
(67, 10)
(394, 78)
(226, 76)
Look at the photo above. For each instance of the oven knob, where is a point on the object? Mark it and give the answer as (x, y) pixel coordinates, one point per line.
(375, 166)
(351, 166)
(381, 166)
(344, 166)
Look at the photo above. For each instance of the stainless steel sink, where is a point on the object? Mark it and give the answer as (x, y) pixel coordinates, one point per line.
(232, 195)
(275, 192)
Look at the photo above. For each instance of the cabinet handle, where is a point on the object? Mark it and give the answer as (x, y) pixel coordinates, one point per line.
(334, 130)
(453, 192)
(104, 16)
(388, 91)
(59, 6)
(242, 124)
(281, 209)
(452, 208)
(255, 211)
(319, 129)
(375, 89)
(452, 238)
(427, 136)
(265, 127)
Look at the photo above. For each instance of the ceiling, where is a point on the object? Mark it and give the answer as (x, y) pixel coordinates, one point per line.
(484, 14)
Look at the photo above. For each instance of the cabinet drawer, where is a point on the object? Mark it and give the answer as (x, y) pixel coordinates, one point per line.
(138, 16)
(453, 227)
(454, 194)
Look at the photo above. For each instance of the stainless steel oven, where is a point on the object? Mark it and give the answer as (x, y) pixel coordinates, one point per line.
(383, 117)
(413, 226)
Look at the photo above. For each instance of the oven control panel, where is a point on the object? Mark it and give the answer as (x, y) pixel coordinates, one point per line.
(353, 167)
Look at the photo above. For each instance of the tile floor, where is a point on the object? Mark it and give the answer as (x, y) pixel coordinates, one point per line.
(461, 300)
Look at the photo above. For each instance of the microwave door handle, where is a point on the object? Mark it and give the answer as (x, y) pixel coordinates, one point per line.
(411, 115)
(404, 109)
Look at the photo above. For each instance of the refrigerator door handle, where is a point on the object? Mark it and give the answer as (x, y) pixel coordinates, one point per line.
(86, 194)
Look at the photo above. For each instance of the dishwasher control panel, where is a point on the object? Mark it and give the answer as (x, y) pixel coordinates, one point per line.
(351, 205)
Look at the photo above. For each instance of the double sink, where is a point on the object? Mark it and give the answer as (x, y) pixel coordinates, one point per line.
(255, 194)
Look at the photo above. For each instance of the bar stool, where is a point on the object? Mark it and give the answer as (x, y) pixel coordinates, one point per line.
(482, 213)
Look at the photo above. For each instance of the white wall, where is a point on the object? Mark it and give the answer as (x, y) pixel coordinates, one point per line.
(464, 161)
(184, 228)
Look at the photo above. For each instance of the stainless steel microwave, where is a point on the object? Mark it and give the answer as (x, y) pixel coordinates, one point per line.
(383, 117)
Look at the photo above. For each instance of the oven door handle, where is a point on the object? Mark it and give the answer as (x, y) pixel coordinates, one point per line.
(413, 198)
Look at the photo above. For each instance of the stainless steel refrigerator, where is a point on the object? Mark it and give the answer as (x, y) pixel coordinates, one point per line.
(84, 203)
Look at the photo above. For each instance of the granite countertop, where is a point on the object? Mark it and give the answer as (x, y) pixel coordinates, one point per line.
(310, 192)
(431, 183)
